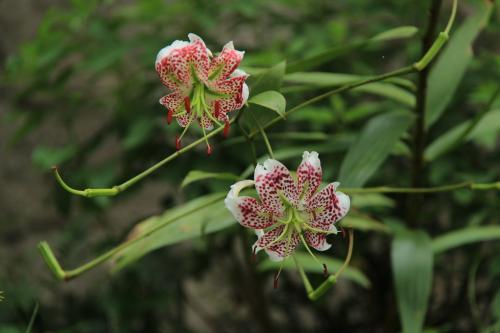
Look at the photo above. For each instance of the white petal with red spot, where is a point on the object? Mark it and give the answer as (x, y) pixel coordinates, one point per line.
(277, 250)
(273, 183)
(309, 175)
(172, 102)
(327, 207)
(317, 240)
(225, 63)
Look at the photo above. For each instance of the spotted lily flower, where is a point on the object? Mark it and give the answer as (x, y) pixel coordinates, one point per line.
(289, 211)
(203, 88)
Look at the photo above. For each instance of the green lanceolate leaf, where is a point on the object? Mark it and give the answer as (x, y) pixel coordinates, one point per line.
(338, 51)
(326, 80)
(412, 262)
(374, 145)
(271, 100)
(193, 219)
(489, 125)
(270, 79)
(451, 65)
(363, 223)
(311, 266)
(197, 175)
(465, 236)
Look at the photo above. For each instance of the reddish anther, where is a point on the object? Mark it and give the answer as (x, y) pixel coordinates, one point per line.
(325, 270)
(169, 116)
(177, 143)
(217, 109)
(187, 104)
(276, 279)
(209, 149)
(226, 128)
(343, 232)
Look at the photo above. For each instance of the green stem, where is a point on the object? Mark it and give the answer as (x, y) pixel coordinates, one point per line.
(264, 135)
(93, 192)
(444, 188)
(61, 274)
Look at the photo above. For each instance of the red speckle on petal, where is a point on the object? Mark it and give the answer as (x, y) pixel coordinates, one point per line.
(187, 104)
(226, 128)
(177, 143)
(169, 116)
(217, 109)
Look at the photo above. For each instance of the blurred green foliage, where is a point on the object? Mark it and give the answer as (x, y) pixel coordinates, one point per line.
(89, 75)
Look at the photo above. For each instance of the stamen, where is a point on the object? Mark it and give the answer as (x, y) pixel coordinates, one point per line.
(343, 232)
(309, 250)
(277, 279)
(187, 104)
(217, 109)
(177, 142)
(209, 148)
(169, 116)
(226, 128)
(325, 270)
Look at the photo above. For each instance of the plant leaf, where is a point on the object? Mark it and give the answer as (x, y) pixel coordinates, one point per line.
(450, 67)
(271, 100)
(311, 266)
(375, 143)
(197, 175)
(363, 223)
(325, 80)
(465, 236)
(193, 219)
(412, 262)
(270, 79)
(489, 125)
(337, 51)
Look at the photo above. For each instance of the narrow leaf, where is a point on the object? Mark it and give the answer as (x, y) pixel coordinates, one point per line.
(363, 223)
(412, 262)
(337, 51)
(374, 145)
(452, 64)
(197, 175)
(465, 236)
(269, 79)
(489, 125)
(328, 80)
(193, 219)
(271, 100)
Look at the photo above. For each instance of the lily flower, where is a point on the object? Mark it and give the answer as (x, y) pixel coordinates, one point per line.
(203, 88)
(290, 211)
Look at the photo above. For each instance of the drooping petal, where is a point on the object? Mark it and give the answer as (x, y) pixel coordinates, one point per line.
(317, 240)
(309, 175)
(225, 63)
(272, 180)
(172, 102)
(183, 120)
(327, 207)
(276, 250)
(247, 210)
(174, 63)
(231, 86)
(206, 123)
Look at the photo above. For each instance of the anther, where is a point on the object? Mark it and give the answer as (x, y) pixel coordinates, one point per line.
(226, 128)
(209, 149)
(217, 109)
(325, 270)
(169, 116)
(177, 142)
(187, 104)
(343, 232)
